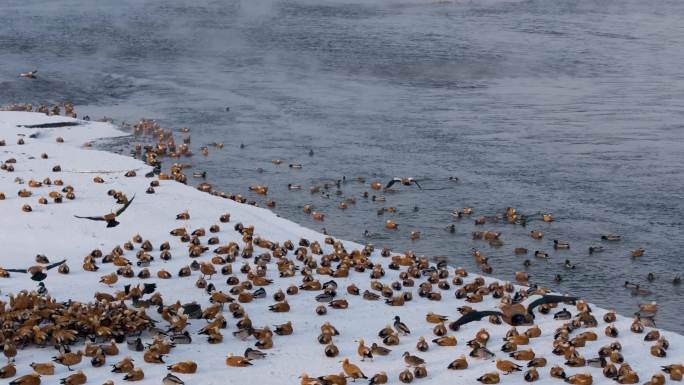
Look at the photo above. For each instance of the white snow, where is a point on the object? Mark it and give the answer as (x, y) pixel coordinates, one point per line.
(54, 231)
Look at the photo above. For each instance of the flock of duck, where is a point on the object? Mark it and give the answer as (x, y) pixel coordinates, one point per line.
(259, 272)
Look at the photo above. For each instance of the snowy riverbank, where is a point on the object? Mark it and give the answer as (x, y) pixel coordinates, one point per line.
(53, 230)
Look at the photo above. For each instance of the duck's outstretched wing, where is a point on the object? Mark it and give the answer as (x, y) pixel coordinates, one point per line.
(48, 267)
(474, 316)
(392, 182)
(549, 299)
(121, 210)
(25, 271)
(91, 218)
(416, 182)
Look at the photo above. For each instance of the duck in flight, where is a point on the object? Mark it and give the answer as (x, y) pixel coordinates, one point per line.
(29, 75)
(404, 181)
(111, 217)
(38, 273)
(514, 315)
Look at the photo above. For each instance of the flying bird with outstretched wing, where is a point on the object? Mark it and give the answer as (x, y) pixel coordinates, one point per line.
(515, 314)
(29, 75)
(38, 272)
(546, 299)
(404, 181)
(111, 217)
(472, 316)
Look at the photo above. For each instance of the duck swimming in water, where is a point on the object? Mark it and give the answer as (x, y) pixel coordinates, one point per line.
(637, 289)
(559, 244)
(595, 249)
(611, 237)
(541, 254)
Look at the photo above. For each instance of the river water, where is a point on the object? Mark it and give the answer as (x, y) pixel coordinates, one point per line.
(570, 107)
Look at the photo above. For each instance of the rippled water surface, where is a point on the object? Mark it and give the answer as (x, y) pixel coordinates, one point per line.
(569, 107)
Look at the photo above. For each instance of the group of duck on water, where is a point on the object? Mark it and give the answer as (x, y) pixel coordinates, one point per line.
(166, 147)
(140, 311)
